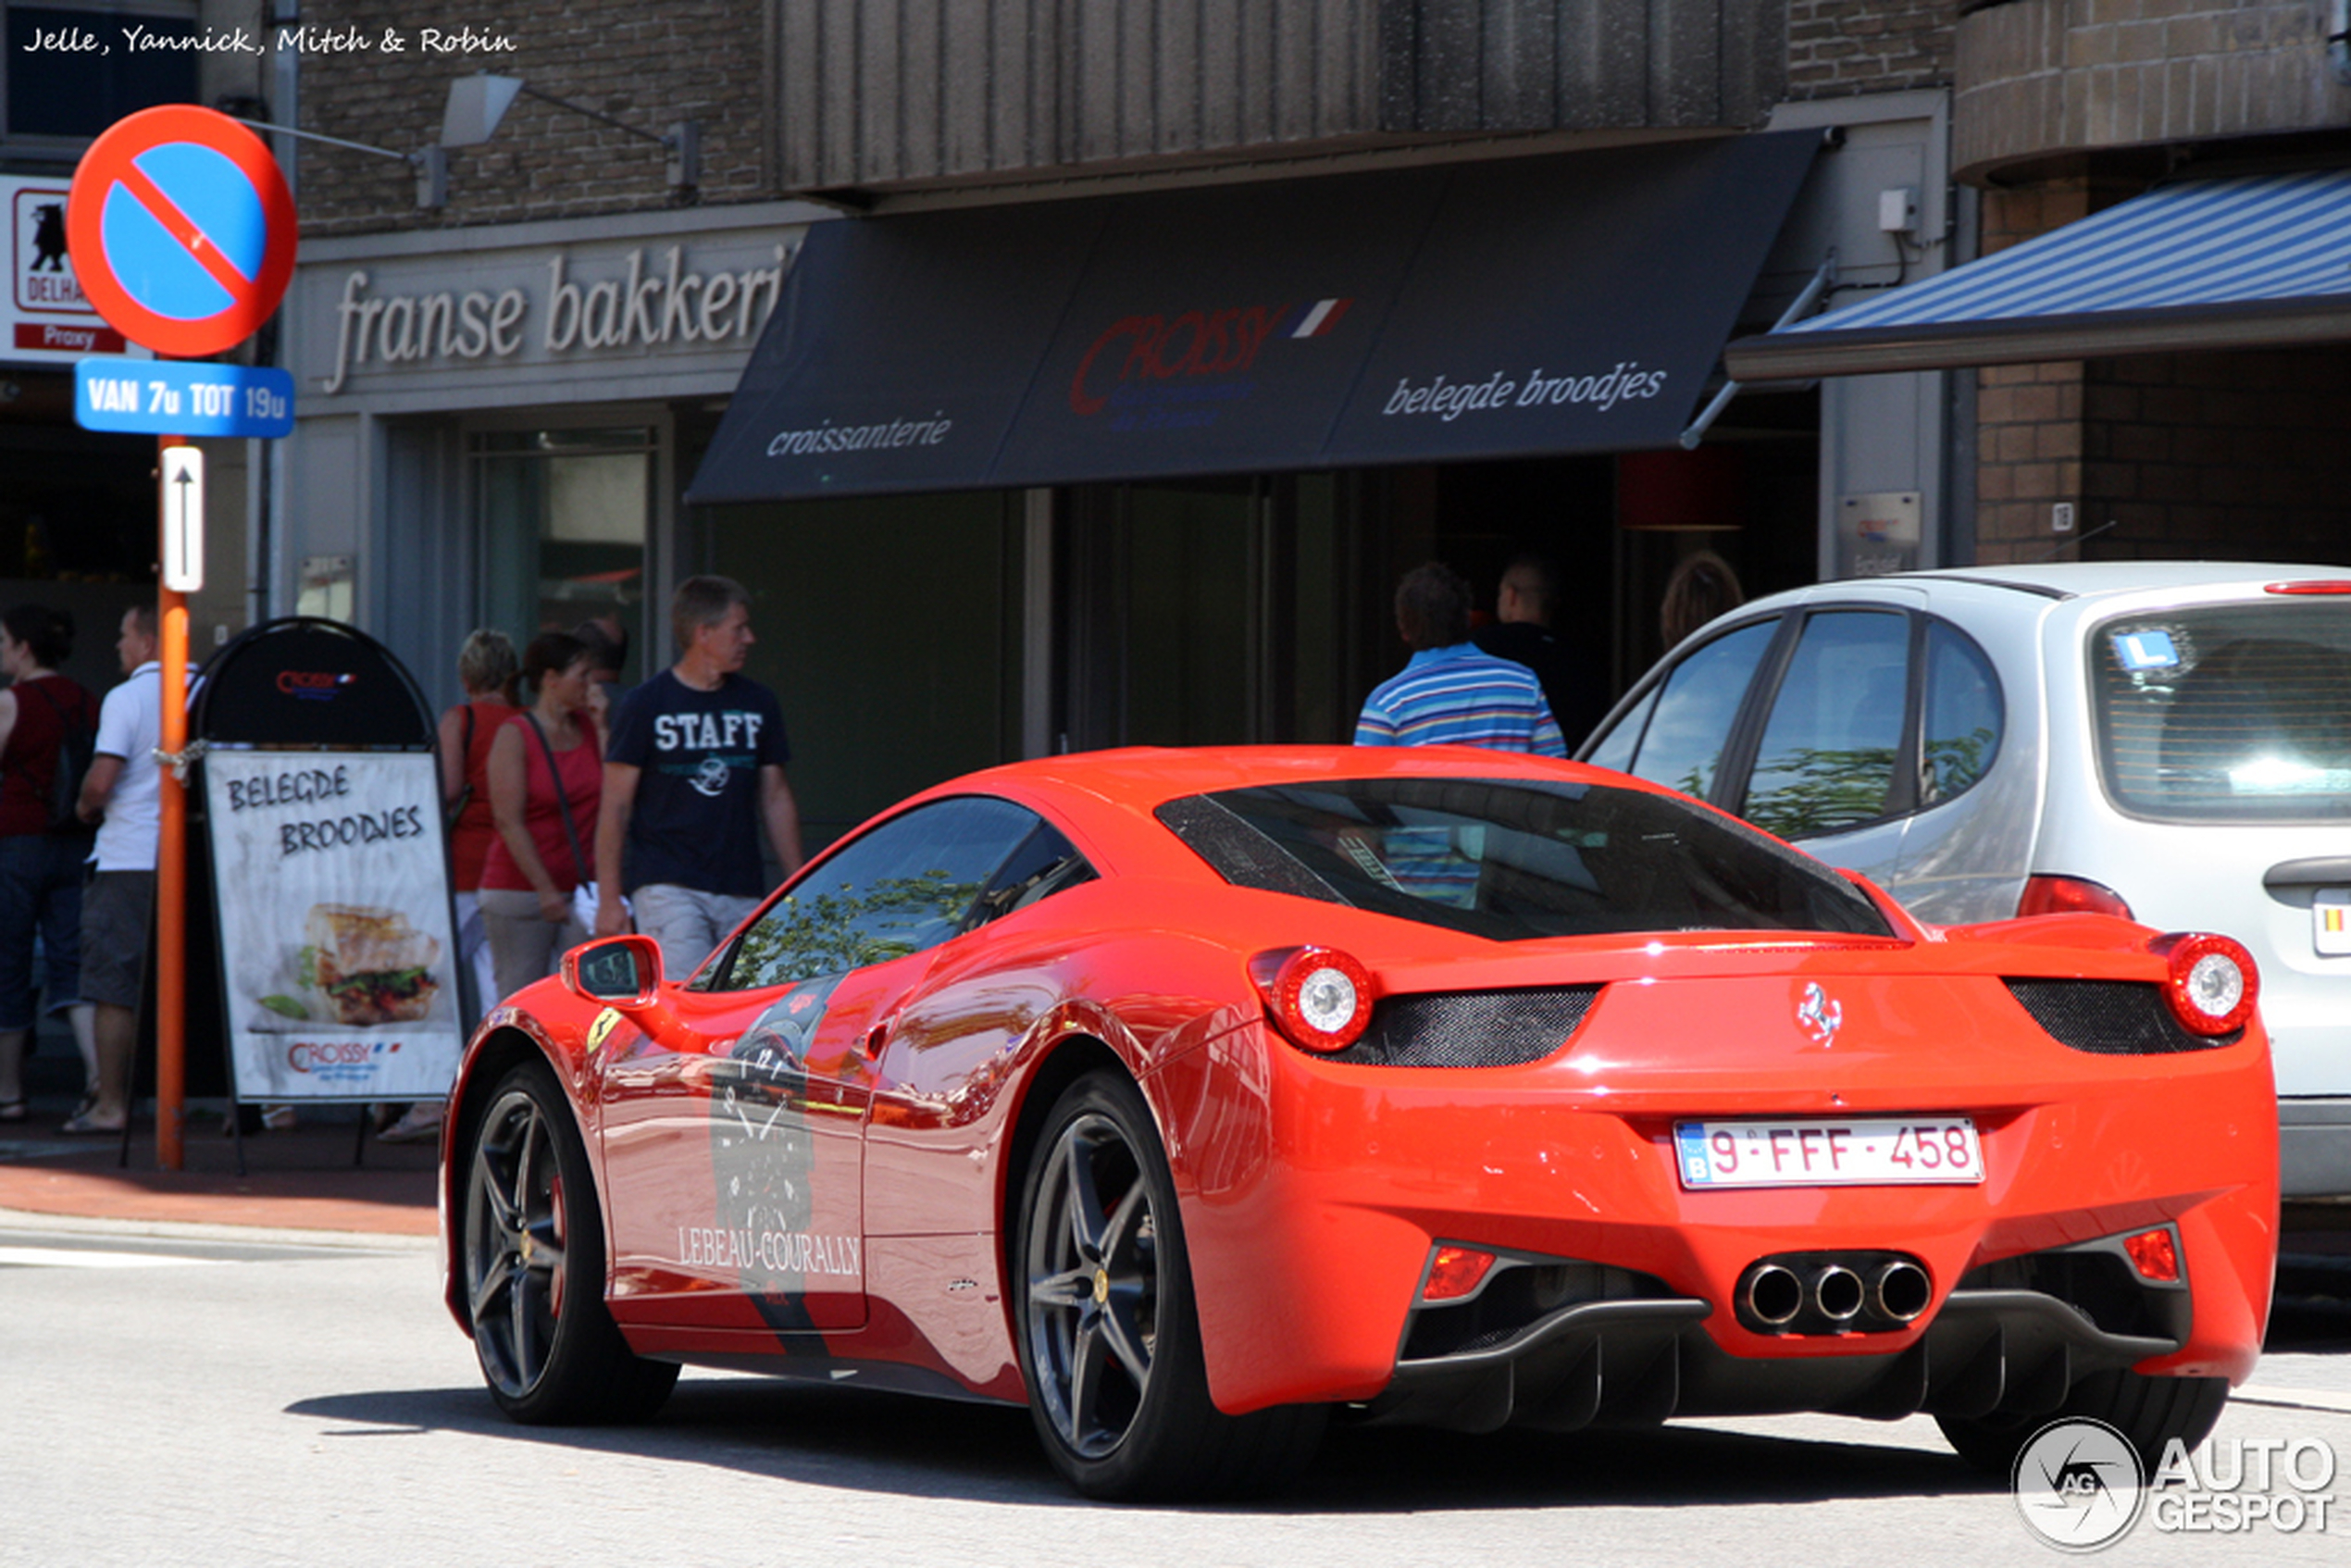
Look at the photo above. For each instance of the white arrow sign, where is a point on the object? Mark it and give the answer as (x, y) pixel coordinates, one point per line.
(183, 518)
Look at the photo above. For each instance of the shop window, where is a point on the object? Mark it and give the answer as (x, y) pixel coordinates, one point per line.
(888, 627)
(1827, 759)
(563, 527)
(54, 90)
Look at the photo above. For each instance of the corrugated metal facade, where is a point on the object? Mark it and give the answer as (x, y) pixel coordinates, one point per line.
(882, 93)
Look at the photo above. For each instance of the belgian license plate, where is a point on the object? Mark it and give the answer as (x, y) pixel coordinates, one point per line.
(2331, 921)
(1867, 1152)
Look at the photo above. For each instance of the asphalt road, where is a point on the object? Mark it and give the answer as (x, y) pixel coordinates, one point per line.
(245, 1401)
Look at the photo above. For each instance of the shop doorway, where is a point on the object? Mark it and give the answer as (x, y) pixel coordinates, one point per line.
(1209, 612)
(889, 628)
(565, 515)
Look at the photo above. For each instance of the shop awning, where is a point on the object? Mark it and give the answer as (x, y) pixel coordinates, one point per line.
(1562, 303)
(2199, 264)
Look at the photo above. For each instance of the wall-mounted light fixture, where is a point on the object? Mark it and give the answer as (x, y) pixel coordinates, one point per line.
(475, 106)
(430, 164)
(477, 103)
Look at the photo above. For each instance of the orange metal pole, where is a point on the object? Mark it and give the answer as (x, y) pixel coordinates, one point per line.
(171, 868)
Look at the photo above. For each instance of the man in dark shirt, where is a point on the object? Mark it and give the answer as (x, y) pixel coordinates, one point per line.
(1521, 633)
(695, 766)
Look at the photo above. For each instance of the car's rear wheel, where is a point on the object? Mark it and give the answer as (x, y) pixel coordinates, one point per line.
(1109, 1339)
(534, 1258)
(2147, 1412)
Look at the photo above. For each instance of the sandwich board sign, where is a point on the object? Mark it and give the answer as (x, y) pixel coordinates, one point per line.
(330, 870)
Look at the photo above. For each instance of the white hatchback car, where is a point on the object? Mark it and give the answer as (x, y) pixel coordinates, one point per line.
(2165, 740)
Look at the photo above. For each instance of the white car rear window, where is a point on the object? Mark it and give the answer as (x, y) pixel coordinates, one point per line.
(2238, 712)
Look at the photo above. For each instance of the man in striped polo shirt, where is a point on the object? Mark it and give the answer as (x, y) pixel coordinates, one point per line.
(1451, 694)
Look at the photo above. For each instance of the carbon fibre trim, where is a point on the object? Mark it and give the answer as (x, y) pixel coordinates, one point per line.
(1497, 1028)
(2111, 1017)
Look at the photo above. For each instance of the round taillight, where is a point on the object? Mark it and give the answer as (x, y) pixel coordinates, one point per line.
(1321, 997)
(2214, 984)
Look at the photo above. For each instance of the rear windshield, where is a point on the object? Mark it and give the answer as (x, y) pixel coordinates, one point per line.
(2237, 713)
(1512, 861)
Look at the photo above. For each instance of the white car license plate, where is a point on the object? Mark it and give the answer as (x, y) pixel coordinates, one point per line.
(1873, 1151)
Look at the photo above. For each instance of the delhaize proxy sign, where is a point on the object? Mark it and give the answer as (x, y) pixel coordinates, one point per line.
(181, 230)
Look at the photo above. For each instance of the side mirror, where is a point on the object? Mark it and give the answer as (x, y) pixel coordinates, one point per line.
(623, 971)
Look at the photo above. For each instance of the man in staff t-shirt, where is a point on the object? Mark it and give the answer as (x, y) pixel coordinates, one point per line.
(694, 765)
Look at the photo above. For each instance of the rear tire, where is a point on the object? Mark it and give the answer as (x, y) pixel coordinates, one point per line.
(1109, 1335)
(2148, 1412)
(534, 1258)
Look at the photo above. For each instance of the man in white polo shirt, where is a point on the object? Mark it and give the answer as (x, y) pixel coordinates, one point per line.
(123, 793)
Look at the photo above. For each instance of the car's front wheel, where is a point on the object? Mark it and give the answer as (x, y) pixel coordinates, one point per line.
(2147, 1412)
(534, 1258)
(1109, 1339)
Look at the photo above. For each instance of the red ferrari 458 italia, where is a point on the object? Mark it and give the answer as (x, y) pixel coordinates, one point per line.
(1195, 1099)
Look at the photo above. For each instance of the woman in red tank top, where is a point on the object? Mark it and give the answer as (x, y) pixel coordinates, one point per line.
(545, 785)
(486, 669)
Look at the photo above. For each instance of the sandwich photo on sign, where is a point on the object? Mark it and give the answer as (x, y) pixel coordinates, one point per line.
(365, 964)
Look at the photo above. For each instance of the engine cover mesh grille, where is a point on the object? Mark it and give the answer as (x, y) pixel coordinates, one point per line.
(2111, 1017)
(1499, 1028)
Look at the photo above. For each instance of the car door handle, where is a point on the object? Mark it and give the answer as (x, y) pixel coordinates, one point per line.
(2326, 871)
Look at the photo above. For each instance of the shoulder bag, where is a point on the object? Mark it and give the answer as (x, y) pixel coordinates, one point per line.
(584, 897)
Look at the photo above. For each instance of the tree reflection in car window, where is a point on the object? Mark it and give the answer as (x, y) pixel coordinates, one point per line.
(1963, 724)
(908, 884)
(1684, 745)
(1828, 754)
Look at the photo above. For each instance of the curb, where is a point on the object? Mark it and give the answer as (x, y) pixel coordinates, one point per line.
(177, 1231)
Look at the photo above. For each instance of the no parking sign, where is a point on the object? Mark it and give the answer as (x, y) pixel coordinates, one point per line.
(181, 230)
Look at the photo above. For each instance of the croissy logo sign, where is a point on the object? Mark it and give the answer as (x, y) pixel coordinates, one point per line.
(1139, 351)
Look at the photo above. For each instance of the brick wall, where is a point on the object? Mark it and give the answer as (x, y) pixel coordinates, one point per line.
(644, 64)
(1836, 48)
(2236, 455)
(2028, 418)
(2037, 77)
(2228, 455)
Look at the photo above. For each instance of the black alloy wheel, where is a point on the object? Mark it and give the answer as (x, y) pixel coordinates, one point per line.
(534, 1260)
(1109, 1341)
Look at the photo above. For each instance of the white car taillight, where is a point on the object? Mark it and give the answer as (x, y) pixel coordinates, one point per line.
(2070, 895)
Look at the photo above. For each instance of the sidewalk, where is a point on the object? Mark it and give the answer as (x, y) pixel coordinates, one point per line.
(302, 1179)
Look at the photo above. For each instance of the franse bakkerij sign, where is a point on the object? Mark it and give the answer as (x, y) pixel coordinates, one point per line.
(1533, 306)
(640, 304)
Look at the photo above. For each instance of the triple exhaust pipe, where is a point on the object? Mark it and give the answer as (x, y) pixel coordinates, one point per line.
(1831, 1294)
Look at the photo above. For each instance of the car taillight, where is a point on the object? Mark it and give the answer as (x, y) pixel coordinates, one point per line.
(2070, 895)
(1320, 997)
(2331, 585)
(2156, 1254)
(2213, 986)
(1455, 1272)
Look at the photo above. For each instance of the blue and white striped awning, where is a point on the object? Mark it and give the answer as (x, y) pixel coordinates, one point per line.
(2196, 264)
